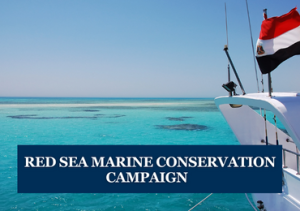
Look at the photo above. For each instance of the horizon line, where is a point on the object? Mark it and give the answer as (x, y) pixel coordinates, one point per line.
(104, 97)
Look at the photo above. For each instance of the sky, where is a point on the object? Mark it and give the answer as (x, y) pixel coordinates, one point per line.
(133, 48)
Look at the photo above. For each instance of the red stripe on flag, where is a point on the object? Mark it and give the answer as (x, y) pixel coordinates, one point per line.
(273, 27)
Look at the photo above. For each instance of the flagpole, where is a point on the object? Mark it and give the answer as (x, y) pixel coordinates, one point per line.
(230, 93)
(251, 39)
(269, 74)
(270, 84)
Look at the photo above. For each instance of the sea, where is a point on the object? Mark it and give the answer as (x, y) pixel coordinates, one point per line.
(110, 121)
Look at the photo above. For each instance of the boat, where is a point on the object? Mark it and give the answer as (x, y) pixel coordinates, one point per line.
(254, 117)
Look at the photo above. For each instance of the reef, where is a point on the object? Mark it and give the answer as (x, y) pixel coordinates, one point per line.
(178, 118)
(187, 127)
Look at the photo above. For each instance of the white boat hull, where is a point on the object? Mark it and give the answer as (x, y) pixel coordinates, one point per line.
(249, 128)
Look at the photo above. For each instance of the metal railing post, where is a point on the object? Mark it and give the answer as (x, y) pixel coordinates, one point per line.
(297, 164)
(284, 166)
(284, 156)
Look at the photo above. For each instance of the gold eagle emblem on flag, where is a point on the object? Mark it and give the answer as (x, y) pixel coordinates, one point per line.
(259, 49)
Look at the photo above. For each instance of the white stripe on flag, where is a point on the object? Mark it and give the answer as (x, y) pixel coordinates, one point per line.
(283, 41)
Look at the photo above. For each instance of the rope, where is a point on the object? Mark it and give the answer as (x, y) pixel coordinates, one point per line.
(276, 130)
(262, 84)
(200, 202)
(252, 46)
(266, 130)
(250, 202)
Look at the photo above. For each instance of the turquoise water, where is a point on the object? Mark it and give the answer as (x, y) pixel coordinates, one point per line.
(91, 121)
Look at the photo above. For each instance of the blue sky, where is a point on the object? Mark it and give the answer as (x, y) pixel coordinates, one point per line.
(132, 48)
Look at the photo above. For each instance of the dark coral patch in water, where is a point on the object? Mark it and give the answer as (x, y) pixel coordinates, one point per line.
(116, 116)
(99, 115)
(109, 115)
(178, 118)
(187, 127)
(76, 117)
(23, 116)
(91, 110)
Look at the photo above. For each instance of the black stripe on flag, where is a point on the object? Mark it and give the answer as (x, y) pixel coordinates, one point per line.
(268, 63)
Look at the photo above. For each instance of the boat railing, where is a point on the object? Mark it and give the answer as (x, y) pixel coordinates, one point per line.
(284, 157)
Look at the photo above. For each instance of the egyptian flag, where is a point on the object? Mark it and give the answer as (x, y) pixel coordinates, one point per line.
(279, 40)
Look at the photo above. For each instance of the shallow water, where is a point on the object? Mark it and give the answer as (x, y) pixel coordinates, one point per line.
(92, 121)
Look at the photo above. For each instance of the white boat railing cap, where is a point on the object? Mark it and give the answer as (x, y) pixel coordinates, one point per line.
(264, 95)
